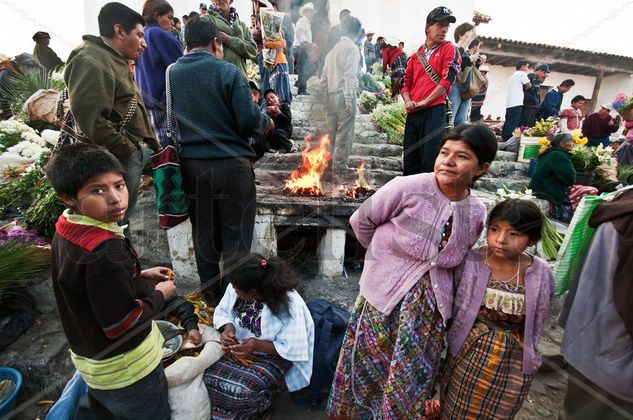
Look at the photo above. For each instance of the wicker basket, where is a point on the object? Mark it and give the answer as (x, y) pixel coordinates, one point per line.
(627, 114)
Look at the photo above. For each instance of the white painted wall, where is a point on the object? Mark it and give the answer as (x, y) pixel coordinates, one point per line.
(613, 85)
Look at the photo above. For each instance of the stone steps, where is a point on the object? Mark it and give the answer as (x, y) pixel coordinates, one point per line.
(503, 169)
(504, 156)
(491, 183)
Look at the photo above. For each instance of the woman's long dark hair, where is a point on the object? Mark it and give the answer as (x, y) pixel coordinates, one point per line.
(151, 7)
(271, 278)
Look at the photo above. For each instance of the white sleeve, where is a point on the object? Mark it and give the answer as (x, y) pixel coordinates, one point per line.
(524, 78)
(223, 313)
(292, 342)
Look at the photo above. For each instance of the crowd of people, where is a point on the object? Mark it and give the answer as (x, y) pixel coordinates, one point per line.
(425, 287)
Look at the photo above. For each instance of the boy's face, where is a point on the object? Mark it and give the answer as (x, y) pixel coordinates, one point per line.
(103, 197)
(272, 99)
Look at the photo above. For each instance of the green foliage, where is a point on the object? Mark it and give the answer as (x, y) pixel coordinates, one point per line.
(584, 158)
(9, 139)
(366, 83)
(624, 173)
(391, 119)
(32, 196)
(21, 85)
(19, 260)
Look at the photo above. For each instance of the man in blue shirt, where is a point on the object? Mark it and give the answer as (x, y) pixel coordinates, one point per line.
(550, 107)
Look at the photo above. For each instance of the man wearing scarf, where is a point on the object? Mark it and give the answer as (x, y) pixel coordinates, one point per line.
(598, 319)
(235, 35)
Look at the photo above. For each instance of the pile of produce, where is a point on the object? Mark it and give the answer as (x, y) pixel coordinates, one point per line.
(391, 119)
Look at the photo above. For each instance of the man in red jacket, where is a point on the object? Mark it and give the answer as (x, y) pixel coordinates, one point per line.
(425, 100)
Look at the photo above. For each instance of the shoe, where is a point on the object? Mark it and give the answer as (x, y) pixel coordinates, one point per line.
(303, 93)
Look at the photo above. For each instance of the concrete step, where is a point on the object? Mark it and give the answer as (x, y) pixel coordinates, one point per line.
(501, 169)
(276, 178)
(290, 161)
(491, 183)
(504, 156)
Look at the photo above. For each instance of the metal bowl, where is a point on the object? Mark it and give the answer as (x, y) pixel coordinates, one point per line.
(171, 346)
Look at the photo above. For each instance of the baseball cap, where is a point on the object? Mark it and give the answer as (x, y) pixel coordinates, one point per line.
(202, 6)
(440, 13)
(607, 106)
(544, 67)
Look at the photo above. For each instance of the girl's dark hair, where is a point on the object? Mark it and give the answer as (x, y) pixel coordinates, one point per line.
(478, 137)
(272, 278)
(73, 165)
(152, 7)
(523, 215)
(117, 13)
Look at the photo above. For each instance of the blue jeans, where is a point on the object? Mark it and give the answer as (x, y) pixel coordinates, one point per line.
(596, 141)
(133, 170)
(459, 106)
(513, 116)
(145, 399)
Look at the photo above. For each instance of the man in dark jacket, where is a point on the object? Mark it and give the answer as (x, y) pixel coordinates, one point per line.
(215, 124)
(550, 107)
(532, 97)
(102, 92)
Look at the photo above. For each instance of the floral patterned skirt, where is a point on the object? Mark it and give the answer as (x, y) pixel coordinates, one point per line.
(388, 363)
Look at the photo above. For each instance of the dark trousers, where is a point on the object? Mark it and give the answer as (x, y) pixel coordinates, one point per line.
(145, 399)
(306, 69)
(586, 400)
(513, 117)
(597, 141)
(222, 210)
(422, 138)
(528, 116)
(280, 140)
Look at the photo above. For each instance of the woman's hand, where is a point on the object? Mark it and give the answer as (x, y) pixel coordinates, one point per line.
(194, 337)
(245, 348)
(157, 274)
(227, 338)
(223, 37)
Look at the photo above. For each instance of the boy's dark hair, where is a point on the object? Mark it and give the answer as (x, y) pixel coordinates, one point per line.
(344, 12)
(200, 33)
(578, 98)
(521, 63)
(523, 215)
(153, 7)
(568, 83)
(267, 91)
(175, 20)
(352, 26)
(475, 42)
(73, 165)
(193, 14)
(479, 137)
(117, 13)
(461, 29)
(271, 278)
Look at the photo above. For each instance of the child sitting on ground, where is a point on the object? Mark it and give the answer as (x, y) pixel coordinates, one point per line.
(267, 334)
(502, 299)
(106, 303)
(280, 138)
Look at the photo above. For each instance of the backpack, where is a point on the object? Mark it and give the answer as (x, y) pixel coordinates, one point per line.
(470, 80)
(330, 324)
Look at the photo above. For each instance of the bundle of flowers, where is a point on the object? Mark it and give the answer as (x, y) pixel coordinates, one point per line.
(367, 83)
(21, 145)
(579, 140)
(252, 72)
(551, 240)
(543, 128)
(391, 119)
(623, 103)
(588, 158)
(367, 101)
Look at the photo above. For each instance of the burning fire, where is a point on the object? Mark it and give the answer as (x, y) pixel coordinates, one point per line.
(361, 186)
(314, 161)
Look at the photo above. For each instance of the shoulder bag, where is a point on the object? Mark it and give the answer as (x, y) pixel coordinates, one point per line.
(436, 79)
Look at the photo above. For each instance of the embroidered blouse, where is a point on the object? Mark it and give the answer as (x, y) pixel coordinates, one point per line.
(292, 334)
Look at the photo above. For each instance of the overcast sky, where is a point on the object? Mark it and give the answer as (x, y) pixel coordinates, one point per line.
(596, 26)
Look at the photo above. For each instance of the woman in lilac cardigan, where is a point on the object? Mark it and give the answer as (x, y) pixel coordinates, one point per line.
(162, 50)
(416, 229)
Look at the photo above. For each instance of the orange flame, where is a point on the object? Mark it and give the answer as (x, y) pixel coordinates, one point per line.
(361, 186)
(307, 179)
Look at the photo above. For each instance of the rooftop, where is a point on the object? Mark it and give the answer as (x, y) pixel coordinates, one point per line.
(506, 52)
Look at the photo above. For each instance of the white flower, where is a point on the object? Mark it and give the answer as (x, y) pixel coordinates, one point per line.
(14, 126)
(33, 138)
(50, 136)
(27, 149)
(57, 76)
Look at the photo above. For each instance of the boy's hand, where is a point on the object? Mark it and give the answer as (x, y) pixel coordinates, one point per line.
(227, 339)
(194, 337)
(167, 288)
(245, 348)
(157, 274)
